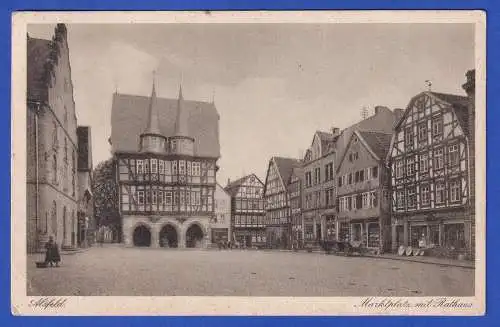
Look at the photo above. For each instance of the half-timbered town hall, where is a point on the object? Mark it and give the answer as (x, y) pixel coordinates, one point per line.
(166, 152)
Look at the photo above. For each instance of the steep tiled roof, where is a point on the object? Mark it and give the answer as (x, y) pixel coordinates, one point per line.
(38, 51)
(326, 140)
(382, 122)
(286, 166)
(379, 143)
(233, 187)
(460, 104)
(129, 116)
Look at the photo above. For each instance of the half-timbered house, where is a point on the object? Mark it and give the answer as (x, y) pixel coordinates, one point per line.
(430, 173)
(363, 182)
(278, 216)
(166, 151)
(247, 211)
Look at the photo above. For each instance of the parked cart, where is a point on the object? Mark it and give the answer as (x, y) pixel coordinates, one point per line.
(342, 247)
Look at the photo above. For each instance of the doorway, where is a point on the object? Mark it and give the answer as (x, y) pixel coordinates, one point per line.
(194, 236)
(142, 236)
(168, 237)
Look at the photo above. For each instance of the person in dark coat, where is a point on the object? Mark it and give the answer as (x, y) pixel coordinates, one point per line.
(52, 255)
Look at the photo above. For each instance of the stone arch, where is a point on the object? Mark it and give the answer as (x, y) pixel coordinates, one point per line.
(195, 233)
(169, 236)
(141, 235)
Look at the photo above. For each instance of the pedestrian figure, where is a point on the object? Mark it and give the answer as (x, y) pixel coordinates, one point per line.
(52, 255)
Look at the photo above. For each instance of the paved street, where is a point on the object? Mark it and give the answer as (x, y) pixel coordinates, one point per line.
(159, 272)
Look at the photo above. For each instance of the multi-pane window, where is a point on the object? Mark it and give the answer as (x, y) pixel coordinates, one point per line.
(349, 179)
(160, 197)
(154, 166)
(374, 174)
(340, 181)
(182, 167)
(329, 197)
(437, 127)
(195, 166)
(422, 133)
(139, 167)
(373, 199)
(317, 175)
(424, 163)
(161, 167)
(399, 168)
(440, 193)
(146, 166)
(174, 167)
(329, 171)
(366, 204)
(140, 197)
(153, 197)
(308, 179)
(438, 159)
(409, 137)
(455, 193)
(453, 155)
(400, 199)
(424, 194)
(411, 197)
(410, 166)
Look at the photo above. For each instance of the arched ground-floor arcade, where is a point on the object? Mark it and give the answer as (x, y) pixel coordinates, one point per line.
(166, 232)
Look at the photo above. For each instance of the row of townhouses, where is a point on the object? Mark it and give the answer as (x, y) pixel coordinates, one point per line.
(59, 152)
(399, 177)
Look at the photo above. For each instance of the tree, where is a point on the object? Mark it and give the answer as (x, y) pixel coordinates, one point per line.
(105, 190)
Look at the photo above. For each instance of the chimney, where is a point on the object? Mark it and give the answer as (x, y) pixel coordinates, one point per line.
(228, 181)
(470, 84)
(335, 131)
(378, 109)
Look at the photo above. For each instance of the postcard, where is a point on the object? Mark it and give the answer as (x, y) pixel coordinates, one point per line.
(249, 163)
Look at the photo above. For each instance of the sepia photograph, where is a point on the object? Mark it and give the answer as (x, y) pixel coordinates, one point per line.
(270, 161)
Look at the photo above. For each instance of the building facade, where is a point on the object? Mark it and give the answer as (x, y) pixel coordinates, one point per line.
(430, 165)
(220, 225)
(278, 214)
(166, 152)
(363, 182)
(470, 88)
(318, 188)
(52, 192)
(86, 222)
(247, 211)
(294, 189)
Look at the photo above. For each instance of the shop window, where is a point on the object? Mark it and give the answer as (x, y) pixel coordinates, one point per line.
(373, 235)
(434, 235)
(357, 233)
(344, 232)
(454, 236)
(417, 233)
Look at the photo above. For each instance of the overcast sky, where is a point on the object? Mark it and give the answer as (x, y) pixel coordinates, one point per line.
(274, 84)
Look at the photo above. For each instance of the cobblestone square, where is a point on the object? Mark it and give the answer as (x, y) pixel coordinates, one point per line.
(121, 271)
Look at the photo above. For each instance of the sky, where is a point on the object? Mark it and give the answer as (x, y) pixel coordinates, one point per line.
(274, 85)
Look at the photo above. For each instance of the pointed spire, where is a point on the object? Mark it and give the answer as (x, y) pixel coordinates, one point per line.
(181, 119)
(153, 126)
